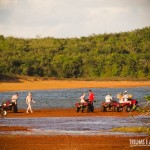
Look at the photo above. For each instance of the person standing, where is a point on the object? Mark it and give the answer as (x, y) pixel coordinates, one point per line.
(13, 102)
(91, 100)
(29, 99)
(91, 96)
(14, 98)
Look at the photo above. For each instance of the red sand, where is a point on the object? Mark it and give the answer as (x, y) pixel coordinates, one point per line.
(9, 142)
(68, 112)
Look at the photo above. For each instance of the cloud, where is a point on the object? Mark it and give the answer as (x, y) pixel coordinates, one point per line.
(71, 18)
(7, 3)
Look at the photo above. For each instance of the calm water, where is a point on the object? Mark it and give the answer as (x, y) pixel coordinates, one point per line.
(73, 125)
(65, 98)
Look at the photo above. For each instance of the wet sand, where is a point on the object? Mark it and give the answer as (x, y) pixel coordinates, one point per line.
(61, 84)
(10, 142)
(68, 112)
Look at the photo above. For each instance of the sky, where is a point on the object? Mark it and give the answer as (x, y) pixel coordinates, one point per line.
(71, 18)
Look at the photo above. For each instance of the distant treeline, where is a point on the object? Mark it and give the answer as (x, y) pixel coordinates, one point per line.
(105, 56)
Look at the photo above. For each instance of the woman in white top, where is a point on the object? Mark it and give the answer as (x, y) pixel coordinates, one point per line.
(82, 98)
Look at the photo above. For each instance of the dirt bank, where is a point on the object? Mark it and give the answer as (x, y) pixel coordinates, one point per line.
(56, 84)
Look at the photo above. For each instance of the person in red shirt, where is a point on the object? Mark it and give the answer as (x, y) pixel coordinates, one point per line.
(91, 96)
(91, 100)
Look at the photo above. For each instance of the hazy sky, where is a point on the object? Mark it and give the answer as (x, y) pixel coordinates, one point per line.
(71, 18)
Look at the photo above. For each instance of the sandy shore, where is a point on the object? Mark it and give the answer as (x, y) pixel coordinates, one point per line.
(68, 112)
(56, 84)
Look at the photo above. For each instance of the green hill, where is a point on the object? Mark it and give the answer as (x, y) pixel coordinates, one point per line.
(123, 55)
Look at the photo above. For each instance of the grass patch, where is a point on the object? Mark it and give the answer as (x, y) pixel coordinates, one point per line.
(132, 129)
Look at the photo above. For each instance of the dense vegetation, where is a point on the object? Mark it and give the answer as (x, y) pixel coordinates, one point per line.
(106, 56)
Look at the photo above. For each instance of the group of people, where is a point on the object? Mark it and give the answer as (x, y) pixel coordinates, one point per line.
(29, 99)
(91, 97)
(123, 98)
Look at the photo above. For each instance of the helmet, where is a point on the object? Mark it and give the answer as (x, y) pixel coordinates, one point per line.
(125, 92)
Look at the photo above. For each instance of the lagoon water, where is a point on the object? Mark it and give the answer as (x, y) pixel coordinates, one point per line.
(66, 98)
(73, 125)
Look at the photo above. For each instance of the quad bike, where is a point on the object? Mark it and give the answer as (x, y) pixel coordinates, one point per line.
(8, 105)
(88, 106)
(110, 106)
(134, 104)
(129, 107)
(126, 106)
(3, 111)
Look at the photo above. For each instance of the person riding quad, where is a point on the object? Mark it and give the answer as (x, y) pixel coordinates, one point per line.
(125, 97)
(108, 98)
(128, 98)
(82, 98)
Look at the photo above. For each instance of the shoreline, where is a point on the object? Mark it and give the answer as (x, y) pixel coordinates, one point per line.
(66, 112)
(64, 84)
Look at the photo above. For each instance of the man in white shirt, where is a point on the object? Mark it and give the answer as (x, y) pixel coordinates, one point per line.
(28, 102)
(108, 98)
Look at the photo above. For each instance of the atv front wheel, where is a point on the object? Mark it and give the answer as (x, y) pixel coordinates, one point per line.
(77, 109)
(114, 108)
(103, 108)
(128, 109)
(118, 109)
(3, 112)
